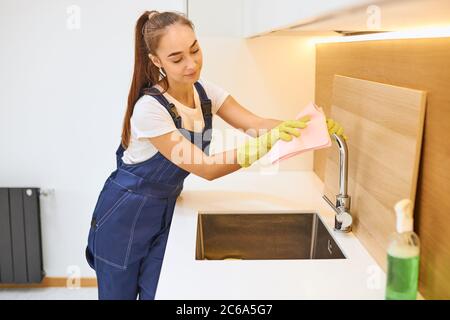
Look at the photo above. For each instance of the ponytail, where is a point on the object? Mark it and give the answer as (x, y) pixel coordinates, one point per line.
(150, 27)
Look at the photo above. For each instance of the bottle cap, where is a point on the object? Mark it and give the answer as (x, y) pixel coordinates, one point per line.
(404, 212)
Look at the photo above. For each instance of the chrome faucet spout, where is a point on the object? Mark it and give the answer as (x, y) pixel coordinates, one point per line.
(343, 218)
(343, 164)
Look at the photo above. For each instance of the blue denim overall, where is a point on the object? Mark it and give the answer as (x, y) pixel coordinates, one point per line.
(132, 217)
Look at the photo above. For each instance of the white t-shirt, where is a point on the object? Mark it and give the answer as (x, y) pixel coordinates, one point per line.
(151, 119)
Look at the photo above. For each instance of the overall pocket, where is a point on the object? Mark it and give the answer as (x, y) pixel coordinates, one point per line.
(112, 202)
(97, 213)
(114, 230)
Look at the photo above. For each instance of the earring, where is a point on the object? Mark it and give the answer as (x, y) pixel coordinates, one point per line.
(162, 72)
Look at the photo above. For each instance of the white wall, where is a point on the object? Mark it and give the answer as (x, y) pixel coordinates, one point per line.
(63, 96)
(64, 92)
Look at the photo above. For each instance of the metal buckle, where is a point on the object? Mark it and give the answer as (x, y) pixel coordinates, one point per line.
(206, 107)
(174, 110)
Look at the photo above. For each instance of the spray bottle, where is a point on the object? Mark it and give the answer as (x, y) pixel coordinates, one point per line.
(403, 256)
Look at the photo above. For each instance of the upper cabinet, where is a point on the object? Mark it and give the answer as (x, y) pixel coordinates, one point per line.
(346, 16)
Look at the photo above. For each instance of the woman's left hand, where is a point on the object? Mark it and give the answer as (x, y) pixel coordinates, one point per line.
(335, 127)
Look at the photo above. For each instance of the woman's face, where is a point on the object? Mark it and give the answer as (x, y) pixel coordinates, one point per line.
(180, 55)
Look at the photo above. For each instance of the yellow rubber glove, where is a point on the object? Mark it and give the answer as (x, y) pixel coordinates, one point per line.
(335, 127)
(253, 149)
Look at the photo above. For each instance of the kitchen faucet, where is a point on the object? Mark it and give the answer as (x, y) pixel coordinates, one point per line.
(343, 219)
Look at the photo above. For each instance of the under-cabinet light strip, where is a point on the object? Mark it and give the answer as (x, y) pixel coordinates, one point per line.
(435, 32)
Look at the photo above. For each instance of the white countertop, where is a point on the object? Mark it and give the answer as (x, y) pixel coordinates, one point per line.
(184, 277)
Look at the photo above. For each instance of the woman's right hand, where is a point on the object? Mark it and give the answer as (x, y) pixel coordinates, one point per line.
(255, 148)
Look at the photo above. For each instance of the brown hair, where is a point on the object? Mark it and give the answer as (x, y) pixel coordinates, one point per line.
(150, 27)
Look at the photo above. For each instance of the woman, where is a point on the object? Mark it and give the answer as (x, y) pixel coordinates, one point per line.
(166, 131)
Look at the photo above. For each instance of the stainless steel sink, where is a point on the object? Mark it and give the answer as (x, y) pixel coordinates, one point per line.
(256, 236)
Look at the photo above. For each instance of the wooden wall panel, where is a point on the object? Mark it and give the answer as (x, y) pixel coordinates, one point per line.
(422, 64)
(385, 124)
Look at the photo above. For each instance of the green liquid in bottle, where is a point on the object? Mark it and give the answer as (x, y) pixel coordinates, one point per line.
(402, 278)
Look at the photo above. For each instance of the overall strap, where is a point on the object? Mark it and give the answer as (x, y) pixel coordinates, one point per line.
(207, 116)
(155, 93)
(170, 107)
(204, 100)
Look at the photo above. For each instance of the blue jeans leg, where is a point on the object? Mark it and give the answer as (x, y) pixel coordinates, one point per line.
(151, 268)
(115, 283)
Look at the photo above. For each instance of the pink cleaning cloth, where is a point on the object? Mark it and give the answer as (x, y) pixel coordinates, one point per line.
(314, 136)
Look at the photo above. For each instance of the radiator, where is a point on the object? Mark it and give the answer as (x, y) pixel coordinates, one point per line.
(20, 236)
